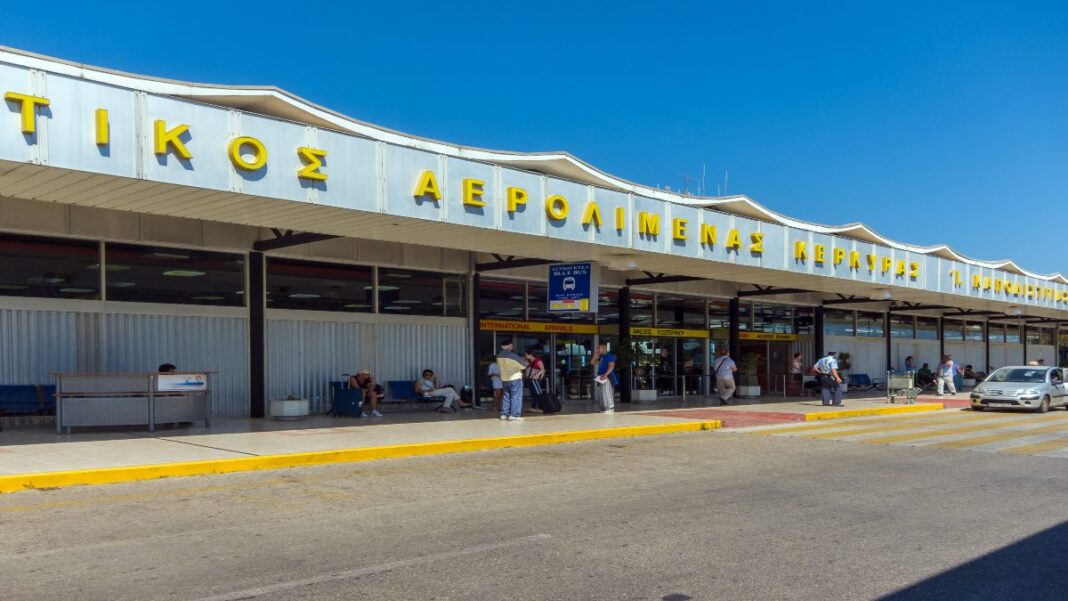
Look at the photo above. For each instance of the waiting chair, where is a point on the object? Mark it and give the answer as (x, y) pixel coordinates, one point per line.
(862, 382)
(403, 391)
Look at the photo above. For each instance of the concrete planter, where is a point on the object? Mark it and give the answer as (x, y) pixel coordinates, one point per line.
(749, 392)
(289, 408)
(643, 396)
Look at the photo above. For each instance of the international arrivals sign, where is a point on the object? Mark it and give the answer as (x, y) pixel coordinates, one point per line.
(73, 123)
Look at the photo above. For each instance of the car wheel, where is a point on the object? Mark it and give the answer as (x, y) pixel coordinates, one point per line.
(1044, 407)
(978, 407)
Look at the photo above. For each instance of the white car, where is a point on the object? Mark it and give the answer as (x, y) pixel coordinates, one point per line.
(1022, 387)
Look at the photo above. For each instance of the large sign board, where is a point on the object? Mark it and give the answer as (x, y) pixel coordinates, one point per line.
(70, 122)
(572, 288)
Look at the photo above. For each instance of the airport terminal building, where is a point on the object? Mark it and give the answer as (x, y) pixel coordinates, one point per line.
(247, 232)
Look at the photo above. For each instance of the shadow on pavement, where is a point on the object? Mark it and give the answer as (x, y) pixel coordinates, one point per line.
(1033, 569)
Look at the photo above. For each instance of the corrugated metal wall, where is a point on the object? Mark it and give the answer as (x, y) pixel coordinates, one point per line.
(966, 353)
(33, 344)
(303, 356)
(922, 351)
(216, 344)
(867, 355)
(1042, 351)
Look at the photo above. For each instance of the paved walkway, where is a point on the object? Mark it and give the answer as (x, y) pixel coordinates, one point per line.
(41, 450)
(35, 457)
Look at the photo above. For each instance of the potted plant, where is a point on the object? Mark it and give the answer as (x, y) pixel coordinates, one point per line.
(748, 382)
(291, 407)
(844, 365)
(635, 362)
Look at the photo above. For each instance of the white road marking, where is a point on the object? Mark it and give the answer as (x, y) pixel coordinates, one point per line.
(252, 593)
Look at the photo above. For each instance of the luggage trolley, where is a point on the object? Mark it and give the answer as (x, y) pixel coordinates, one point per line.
(901, 385)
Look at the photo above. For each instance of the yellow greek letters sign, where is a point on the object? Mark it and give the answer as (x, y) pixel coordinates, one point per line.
(502, 325)
(669, 332)
(766, 336)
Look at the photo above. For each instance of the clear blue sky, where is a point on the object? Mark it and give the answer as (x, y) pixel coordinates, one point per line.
(930, 122)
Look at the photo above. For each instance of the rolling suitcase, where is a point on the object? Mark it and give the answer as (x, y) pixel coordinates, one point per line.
(543, 399)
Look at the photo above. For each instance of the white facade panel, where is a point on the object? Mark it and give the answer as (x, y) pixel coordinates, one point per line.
(119, 156)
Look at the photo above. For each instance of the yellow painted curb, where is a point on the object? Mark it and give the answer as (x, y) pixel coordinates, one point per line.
(112, 475)
(811, 417)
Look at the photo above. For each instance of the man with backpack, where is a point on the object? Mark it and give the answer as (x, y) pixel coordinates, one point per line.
(511, 367)
(724, 368)
(830, 382)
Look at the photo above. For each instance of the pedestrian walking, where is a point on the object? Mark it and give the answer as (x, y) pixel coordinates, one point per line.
(724, 368)
(511, 366)
(494, 373)
(830, 381)
(604, 384)
(947, 370)
(535, 377)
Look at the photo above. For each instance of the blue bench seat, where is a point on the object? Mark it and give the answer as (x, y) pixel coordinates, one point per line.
(403, 391)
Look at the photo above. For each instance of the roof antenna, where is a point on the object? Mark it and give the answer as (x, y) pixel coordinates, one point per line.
(702, 191)
(726, 174)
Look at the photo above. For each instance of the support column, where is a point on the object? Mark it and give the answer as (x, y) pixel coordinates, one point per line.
(986, 338)
(817, 332)
(889, 345)
(941, 338)
(1023, 339)
(257, 334)
(476, 310)
(735, 342)
(627, 380)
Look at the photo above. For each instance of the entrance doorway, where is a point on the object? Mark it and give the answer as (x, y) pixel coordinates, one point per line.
(671, 366)
(767, 361)
(566, 357)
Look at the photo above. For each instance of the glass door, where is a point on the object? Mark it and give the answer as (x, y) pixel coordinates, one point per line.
(572, 372)
(778, 367)
(690, 365)
(753, 365)
(666, 357)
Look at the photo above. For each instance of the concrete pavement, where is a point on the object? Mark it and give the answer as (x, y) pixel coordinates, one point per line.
(689, 516)
(1009, 432)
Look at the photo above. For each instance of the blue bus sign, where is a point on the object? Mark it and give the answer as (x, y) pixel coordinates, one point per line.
(572, 288)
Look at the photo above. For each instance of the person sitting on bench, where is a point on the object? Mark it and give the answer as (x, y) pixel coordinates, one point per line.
(372, 391)
(924, 376)
(428, 386)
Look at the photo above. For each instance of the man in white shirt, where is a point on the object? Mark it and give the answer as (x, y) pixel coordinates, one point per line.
(830, 381)
(947, 369)
(724, 368)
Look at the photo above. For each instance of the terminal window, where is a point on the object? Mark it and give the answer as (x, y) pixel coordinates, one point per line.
(49, 267)
(154, 274)
(312, 286)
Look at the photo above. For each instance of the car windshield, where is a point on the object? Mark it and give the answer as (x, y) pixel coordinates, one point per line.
(1018, 374)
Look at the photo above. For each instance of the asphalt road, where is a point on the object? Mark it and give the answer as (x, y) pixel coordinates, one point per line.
(695, 516)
